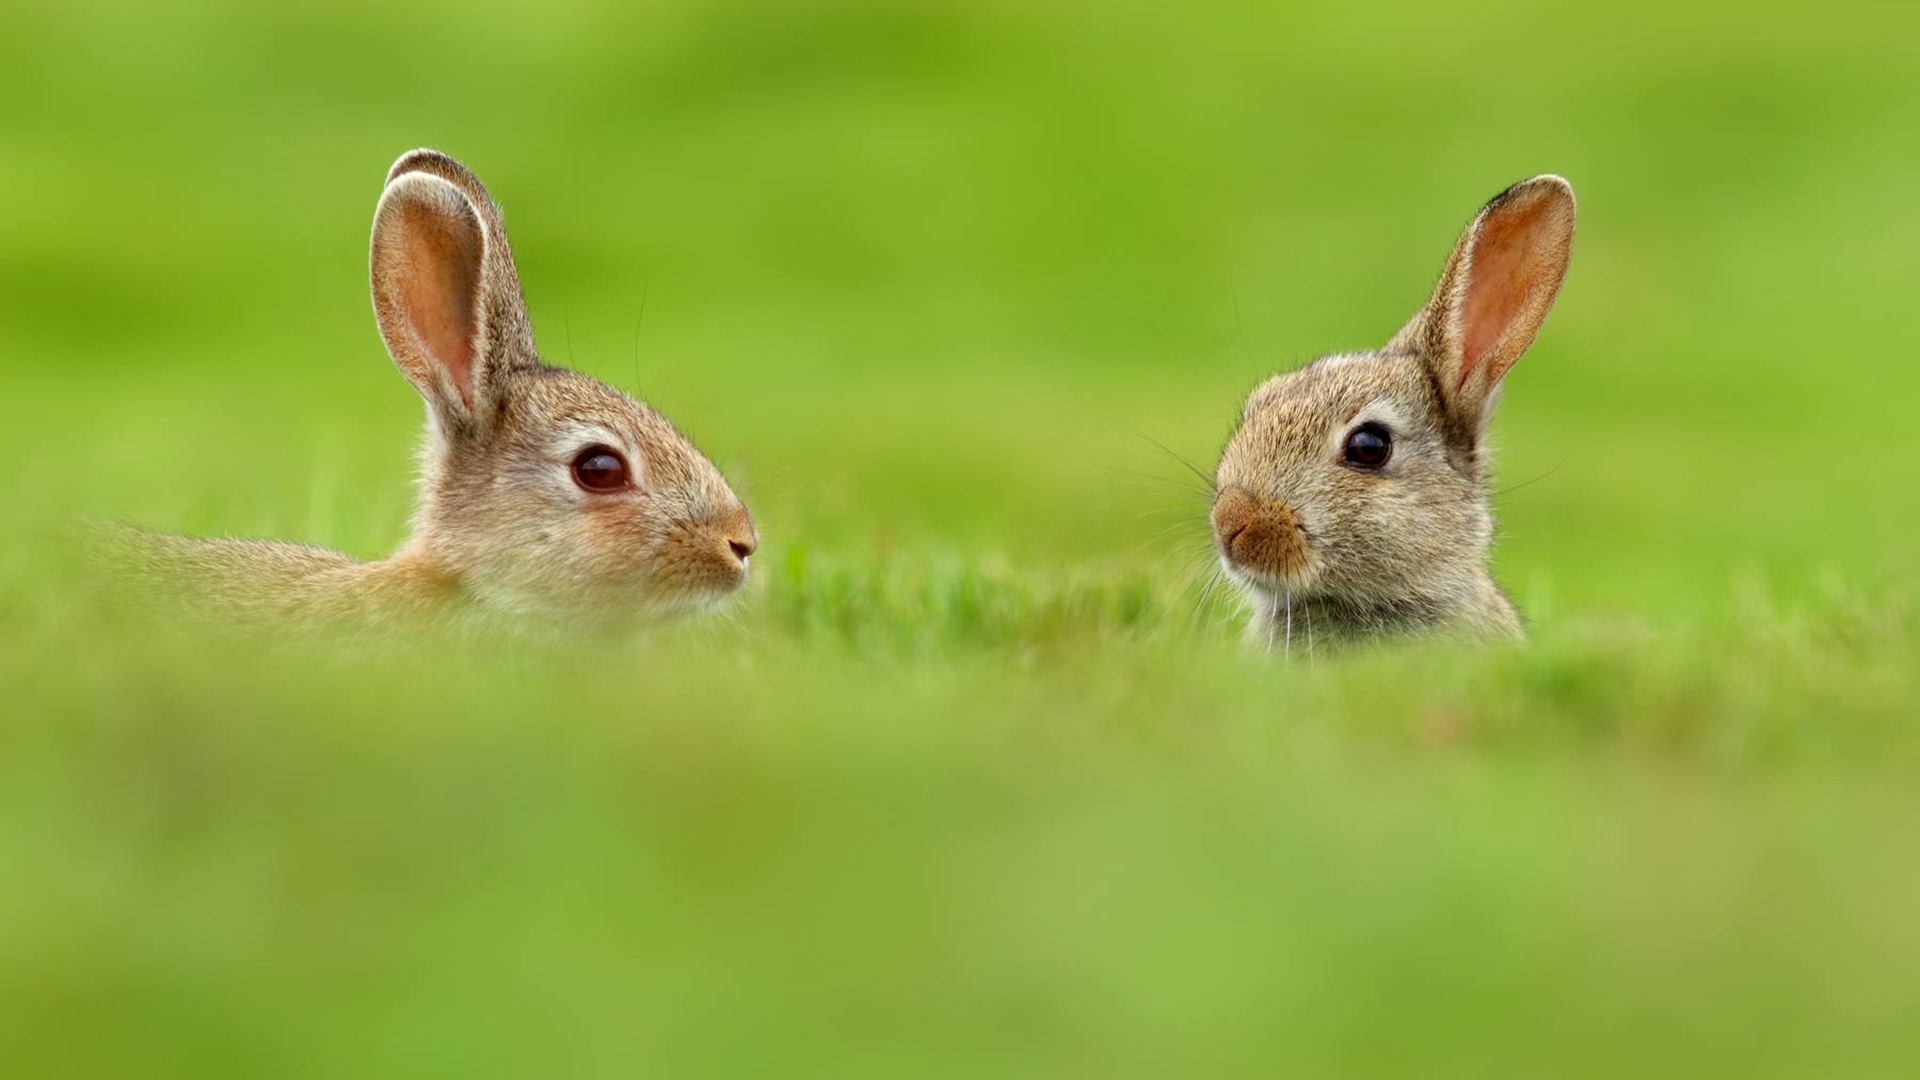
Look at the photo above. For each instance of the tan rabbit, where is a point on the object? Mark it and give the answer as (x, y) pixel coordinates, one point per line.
(545, 496)
(1352, 499)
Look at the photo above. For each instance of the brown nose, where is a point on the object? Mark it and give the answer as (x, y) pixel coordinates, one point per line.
(1258, 534)
(742, 539)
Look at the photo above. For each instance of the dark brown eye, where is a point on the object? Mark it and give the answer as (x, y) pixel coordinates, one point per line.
(600, 468)
(1369, 446)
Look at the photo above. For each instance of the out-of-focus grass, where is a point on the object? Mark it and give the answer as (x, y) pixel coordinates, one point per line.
(976, 780)
(970, 847)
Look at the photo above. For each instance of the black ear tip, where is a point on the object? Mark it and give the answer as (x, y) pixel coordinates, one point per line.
(424, 188)
(428, 160)
(1547, 185)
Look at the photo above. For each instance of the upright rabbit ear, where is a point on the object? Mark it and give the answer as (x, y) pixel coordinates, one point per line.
(1497, 288)
(444, 289)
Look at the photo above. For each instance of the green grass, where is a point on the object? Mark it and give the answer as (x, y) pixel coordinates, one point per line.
(977, 779)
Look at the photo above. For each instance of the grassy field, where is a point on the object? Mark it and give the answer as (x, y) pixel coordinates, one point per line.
(977, 779)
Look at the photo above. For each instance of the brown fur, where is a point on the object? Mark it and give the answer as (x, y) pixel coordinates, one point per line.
(1321, 547)
(501, 531)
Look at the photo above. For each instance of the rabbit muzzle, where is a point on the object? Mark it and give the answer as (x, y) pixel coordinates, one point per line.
(713, 553)
(1259, 536)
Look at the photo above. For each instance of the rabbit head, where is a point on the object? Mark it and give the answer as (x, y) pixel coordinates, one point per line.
(545, 493)
(1352, 498)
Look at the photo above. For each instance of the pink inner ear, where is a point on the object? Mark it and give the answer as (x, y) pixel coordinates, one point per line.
(438, 288)
(1507, 263)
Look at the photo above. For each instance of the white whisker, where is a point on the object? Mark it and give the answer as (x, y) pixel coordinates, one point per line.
(1307, 607)
(1289, 650)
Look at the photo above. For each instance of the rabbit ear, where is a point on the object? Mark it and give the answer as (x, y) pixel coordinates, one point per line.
(444, 288)
(1497, 288)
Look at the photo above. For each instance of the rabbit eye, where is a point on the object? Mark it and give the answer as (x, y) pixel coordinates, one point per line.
(600, 469)
(1369, 446)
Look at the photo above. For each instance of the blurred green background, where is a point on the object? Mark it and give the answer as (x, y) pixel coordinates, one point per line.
(977, 780)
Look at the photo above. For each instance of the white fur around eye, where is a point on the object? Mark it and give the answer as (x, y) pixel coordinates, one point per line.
(575, 438)
(1380, 411)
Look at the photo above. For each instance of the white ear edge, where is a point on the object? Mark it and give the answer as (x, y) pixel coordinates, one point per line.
(427, 266)
(1517, 252)
(1499, 284)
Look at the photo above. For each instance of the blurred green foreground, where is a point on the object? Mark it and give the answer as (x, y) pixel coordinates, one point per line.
(977, 780)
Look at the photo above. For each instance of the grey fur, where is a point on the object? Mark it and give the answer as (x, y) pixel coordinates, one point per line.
(501, 533)
(1321, 547)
